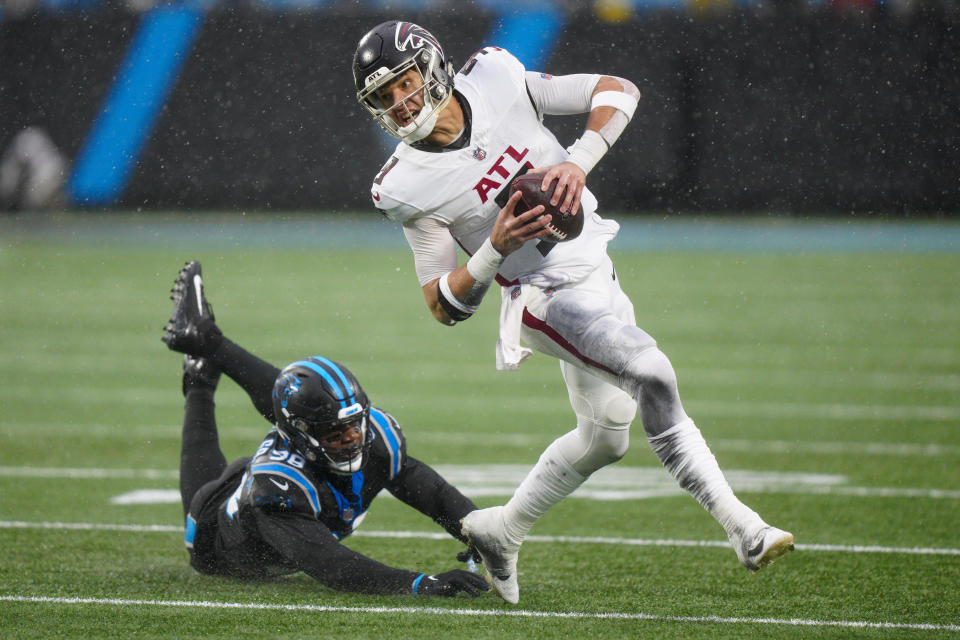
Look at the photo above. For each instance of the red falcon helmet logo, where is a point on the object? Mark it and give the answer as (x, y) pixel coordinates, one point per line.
(412, 35)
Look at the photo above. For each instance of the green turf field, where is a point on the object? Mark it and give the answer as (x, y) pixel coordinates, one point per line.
(826, 382)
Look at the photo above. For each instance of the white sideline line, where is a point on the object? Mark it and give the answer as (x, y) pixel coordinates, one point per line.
(507, 613)
(430, 535)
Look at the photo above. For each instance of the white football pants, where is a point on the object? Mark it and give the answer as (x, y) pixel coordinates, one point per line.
(610, 366)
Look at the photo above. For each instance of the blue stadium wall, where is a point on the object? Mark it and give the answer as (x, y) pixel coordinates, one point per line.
(247, 109)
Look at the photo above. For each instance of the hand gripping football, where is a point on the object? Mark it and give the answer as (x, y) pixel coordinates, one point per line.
(563, 226)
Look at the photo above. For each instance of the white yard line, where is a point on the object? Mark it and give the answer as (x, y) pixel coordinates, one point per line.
(436, 535)
(612, 483)
(160, 398)
(494, 613)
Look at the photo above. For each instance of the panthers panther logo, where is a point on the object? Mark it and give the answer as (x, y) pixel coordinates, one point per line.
(289, 385)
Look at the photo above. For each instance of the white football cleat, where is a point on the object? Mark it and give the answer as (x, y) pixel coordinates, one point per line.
(485, 531)
(762, 547)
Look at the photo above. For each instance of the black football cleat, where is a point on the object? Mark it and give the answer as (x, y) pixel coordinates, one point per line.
(199, 373)
(192, 328)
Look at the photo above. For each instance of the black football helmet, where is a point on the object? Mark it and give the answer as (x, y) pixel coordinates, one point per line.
(315, 399)
(387, 52)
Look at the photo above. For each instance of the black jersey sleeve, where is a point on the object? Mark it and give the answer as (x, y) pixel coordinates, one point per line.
(310, 546)
(421, 487)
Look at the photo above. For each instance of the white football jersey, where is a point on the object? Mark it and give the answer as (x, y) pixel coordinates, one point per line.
(465, 189)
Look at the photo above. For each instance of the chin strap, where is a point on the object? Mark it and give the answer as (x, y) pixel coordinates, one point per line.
(422, 126)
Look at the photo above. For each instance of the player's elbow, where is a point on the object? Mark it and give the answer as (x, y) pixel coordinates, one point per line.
(431, 293)
(441, 316)
(615, 83)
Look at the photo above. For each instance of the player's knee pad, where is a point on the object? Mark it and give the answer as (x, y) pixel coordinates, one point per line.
(602, 446)
(619, 412)
(603, 405)
(603, 429)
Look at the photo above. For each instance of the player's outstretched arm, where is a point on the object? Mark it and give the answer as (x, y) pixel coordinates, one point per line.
(456, 295)
(313, 549)
(420, 486)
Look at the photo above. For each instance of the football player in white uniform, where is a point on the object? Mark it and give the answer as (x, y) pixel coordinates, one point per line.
(463, 138)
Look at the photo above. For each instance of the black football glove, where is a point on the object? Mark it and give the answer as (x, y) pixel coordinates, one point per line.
(451, 583)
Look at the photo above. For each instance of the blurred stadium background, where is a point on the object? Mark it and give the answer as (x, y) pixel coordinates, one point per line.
(784, 106)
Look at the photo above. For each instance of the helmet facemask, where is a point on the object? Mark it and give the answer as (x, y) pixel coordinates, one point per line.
(323, 443)
(436, 89)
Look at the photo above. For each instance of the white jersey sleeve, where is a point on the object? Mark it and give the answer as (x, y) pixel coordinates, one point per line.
(434, 250)
(561, 95)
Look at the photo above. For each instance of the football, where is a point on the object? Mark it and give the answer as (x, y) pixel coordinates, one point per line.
(563, 226)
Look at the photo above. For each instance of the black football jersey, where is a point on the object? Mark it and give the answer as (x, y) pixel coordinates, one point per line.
(287, 514)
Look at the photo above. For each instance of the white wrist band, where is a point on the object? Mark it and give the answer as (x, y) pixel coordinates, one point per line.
(587, 151)
(483, 264)
(616, 99)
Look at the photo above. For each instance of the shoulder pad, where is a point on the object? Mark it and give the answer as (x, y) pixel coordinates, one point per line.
(393, 209)
(278, 486)
(494, 78)
(491, 61)
(381, 191)
(389, 433)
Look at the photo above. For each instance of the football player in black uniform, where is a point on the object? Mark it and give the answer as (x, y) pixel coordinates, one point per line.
(311, 480)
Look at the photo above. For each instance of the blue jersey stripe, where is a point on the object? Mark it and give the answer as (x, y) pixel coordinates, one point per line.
(390, 437)
(294, 475)
(337, 388)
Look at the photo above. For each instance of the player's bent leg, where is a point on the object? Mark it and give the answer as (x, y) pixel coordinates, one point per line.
(192, 329)
(604, 414)
(602, 437)
(579, 329)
